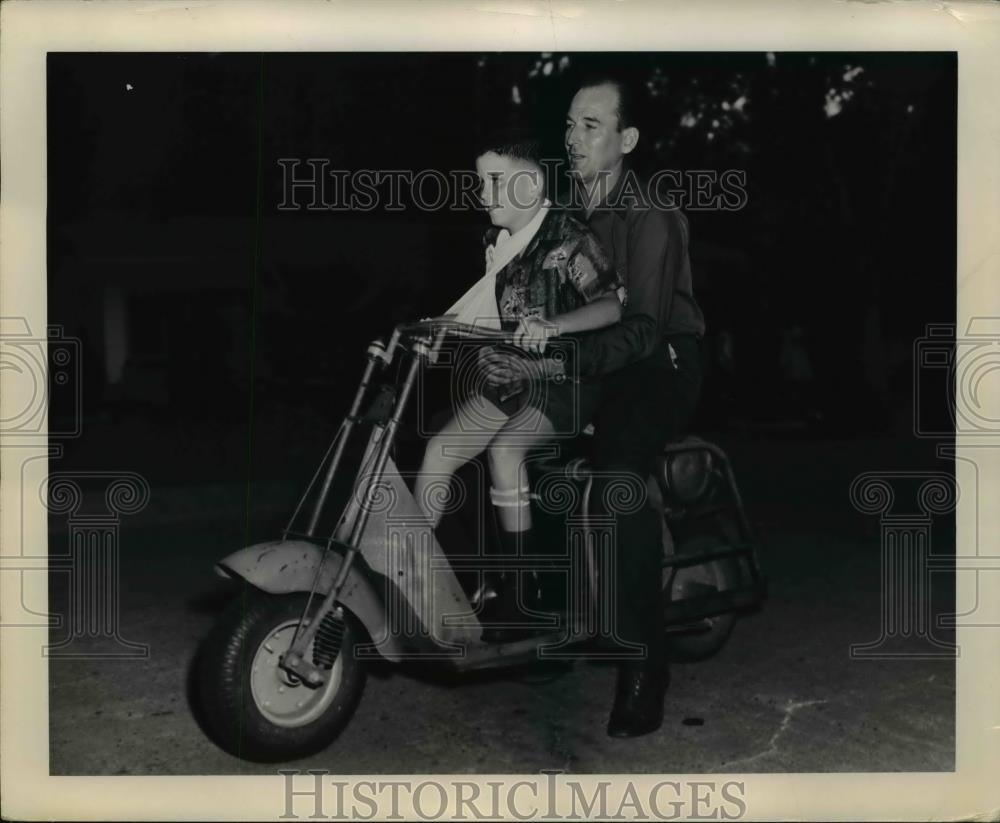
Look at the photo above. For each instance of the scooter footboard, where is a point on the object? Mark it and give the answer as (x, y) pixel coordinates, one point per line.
(287, 566)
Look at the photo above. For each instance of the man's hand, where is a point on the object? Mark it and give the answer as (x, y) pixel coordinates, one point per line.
(501, 368)
(533, 334)
(505, 368)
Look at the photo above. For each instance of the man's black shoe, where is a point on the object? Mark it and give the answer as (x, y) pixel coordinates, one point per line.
(639, 693)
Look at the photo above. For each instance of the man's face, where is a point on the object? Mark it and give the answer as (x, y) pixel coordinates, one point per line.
(593, 141)
(510, 190)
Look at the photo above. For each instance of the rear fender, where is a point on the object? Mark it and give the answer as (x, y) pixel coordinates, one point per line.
(286, 566)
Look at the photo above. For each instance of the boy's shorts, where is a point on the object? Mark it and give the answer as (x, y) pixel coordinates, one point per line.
(569, 405)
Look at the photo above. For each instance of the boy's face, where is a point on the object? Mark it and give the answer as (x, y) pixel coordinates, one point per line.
(510, 190)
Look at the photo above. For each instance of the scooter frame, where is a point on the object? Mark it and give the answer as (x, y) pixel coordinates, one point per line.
(382, 561)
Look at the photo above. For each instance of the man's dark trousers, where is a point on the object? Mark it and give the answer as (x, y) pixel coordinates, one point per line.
(642, 406)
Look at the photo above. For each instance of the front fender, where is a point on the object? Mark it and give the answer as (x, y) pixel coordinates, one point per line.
(286, 566)
(281, 566)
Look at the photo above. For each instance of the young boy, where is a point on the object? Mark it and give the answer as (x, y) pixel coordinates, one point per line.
(546, 275)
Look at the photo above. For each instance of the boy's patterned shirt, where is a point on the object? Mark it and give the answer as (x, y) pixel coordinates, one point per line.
(562, 268)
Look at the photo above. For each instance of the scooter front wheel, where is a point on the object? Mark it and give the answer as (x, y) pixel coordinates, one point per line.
(257, 710)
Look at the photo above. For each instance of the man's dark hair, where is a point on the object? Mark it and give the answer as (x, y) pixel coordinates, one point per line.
(514, 142)
(629, 103)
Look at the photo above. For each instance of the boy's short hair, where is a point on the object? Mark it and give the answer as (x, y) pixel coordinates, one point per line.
(515, 143)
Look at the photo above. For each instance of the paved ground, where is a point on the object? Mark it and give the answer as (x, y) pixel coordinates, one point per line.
(782, 696)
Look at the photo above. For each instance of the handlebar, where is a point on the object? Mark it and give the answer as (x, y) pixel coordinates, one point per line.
(428, 335)
(434, 326)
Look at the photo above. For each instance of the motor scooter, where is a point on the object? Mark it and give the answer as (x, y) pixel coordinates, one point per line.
(359, 574)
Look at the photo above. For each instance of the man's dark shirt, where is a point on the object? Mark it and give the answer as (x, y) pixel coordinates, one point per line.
(649, 246)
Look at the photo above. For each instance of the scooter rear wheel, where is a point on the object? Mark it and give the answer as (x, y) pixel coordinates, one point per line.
(704, 638)
(255, 709)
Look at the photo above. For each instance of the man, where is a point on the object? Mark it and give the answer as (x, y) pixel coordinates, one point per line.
(649, 368)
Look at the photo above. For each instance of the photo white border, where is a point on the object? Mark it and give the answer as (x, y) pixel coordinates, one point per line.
(29, 29)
